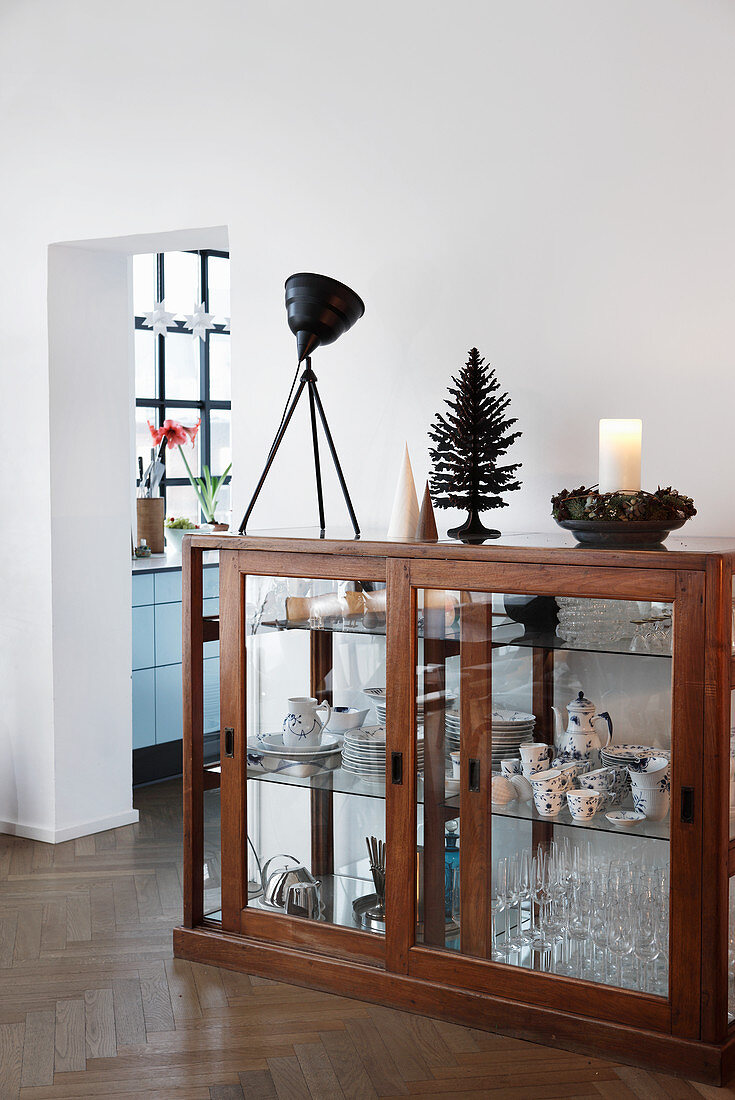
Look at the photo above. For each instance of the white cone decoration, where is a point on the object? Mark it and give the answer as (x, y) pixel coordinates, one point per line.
(405, 514)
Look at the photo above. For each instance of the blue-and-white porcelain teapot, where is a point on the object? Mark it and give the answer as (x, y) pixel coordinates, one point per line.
(580, 740)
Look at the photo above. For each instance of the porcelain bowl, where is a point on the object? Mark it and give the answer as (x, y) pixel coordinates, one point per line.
(584, 804)
(346, 718)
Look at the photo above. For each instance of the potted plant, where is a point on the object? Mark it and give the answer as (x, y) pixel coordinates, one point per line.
(207, 488)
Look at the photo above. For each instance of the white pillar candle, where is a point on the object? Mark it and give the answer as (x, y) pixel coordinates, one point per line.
(620, 455)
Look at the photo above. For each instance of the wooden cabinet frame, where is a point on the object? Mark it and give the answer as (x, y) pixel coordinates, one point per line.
(686, 1033)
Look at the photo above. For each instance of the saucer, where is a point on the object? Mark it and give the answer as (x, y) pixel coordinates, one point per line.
(625, 819)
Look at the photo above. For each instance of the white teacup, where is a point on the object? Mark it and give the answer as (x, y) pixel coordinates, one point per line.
(584, 804)
(456, 765)
(303, 725)
(548, 803)
(529, 768)
(550, 780)
(534, 751)
(510, 767)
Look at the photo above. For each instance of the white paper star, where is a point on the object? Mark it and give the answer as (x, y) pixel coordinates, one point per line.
(199, 322)
(158, 319)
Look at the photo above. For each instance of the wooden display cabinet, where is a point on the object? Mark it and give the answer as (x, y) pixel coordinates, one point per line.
(451, 655)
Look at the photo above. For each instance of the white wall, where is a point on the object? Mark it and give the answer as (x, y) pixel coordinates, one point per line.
(551, 182)
(91, 381)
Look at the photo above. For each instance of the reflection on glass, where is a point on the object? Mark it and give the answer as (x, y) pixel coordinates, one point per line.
(146, 377)
(564, 745)
(144, 284)
(212, 855)
(220, 448)
(317, 803)
(219, 366)
(174, 463)
(181, 281)
(219, 288)
(182, 366)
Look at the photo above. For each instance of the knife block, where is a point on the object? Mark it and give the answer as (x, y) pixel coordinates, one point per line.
(149, 513)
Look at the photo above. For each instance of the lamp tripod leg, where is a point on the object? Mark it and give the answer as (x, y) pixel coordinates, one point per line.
(317, 466)
(335, 459)
(273, 451)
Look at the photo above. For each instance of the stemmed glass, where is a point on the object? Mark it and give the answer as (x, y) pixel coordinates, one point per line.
(514, 899)
(645, 941)
(502, 904)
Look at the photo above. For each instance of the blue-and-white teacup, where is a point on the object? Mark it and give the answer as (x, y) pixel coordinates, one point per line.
(529, 768)
(548, 803)
(584, 804)
(534, 751)
(553, 781)
(510, 767)
(603, 780)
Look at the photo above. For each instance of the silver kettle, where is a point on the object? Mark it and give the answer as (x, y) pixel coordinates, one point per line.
(277, 883)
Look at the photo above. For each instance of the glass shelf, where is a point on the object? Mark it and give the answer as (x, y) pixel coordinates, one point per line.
(342, 782)
(506, 633)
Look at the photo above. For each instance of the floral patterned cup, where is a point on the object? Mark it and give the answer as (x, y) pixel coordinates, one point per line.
(584, 804)
(552, 780)
(548, 803)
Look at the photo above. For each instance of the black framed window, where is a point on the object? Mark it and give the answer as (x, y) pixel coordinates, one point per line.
(180, 375)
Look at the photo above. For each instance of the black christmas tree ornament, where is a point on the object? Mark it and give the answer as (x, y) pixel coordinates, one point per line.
(469, 440)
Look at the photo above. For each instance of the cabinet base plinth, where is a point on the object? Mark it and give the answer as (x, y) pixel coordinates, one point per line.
(709, 1063)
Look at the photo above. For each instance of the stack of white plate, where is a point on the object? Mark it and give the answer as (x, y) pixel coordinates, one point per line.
(626, 755)
(510, 730)
(363, 753)
(378, 698)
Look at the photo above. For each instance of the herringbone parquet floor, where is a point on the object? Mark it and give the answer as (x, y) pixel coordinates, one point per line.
(92, 1003)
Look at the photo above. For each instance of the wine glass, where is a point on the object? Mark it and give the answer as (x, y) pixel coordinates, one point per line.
(502, 903)
(645, 940)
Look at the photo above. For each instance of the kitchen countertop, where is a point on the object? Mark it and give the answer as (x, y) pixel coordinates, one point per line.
(161, 563)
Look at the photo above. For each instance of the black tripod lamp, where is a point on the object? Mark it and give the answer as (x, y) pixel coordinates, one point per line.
(319, 311)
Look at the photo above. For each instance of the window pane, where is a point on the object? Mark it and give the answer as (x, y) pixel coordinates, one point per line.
(181, 281)
(223, 511)
(219, 447)
(143, 440)
(219, 367)
(219, 287)
(181, 502)
(144, 284)
(182, 366)
(145, 364)
(174, 463)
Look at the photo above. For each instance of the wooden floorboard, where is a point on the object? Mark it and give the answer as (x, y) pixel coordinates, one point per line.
(92, 1003)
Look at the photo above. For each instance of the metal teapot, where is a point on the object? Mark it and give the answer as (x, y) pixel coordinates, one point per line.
(580, 740)
(276, 884)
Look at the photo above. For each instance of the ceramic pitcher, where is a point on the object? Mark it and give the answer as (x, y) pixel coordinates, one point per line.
(580, 740)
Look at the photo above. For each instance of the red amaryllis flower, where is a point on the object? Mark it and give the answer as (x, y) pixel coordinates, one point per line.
(174, 433)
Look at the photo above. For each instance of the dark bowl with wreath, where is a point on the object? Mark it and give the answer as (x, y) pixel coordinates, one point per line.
(621, 520)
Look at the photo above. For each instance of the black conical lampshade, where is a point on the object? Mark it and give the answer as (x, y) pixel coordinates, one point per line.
(319, 310)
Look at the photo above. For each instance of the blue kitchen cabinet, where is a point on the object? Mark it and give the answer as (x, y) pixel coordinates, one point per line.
(144, 708)
(168, 586)
(143, 644)
(157, 688)
(168, 634)
(210, 581)
(142, 589)
(169, 704)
